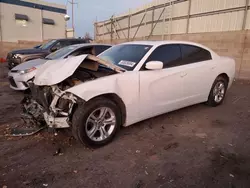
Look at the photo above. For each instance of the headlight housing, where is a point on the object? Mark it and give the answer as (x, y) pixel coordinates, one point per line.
(27, 70)
(15, 56)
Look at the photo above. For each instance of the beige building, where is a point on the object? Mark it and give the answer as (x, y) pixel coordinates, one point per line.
(31, 20)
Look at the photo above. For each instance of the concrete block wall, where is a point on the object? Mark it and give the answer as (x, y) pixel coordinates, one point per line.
(6, 47)
(235, 44)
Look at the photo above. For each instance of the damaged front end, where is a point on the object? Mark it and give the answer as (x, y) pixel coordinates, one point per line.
(49, 103)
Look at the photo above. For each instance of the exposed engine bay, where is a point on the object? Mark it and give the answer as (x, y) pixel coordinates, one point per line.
(51, 105)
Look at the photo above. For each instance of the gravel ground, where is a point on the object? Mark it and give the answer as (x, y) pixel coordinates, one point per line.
(198, 146)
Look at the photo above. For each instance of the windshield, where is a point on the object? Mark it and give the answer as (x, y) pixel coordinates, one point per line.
(47, 45)
(126, 56)
(61, 53)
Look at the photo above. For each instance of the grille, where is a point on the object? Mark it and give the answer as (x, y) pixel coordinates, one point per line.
(9, 56)
(12, 82)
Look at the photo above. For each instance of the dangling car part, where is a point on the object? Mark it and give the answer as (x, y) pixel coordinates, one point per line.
(128, 83)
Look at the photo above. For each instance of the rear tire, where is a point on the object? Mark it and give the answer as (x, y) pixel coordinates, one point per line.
(93, 129)
(218, 92)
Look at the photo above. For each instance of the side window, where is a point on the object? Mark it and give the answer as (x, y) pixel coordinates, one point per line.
(57, 45)
(65, 43)
(170, 55)
(100, 49)
(60, 44)
(81, 51)
(193, 54)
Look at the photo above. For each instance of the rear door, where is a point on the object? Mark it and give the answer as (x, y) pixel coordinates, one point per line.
(162, 90)
(199, 73)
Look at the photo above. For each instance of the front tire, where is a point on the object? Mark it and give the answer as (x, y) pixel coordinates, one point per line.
(96, 122)
(218, 92)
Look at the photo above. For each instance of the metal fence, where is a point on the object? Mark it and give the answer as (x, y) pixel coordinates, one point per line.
(166, 17)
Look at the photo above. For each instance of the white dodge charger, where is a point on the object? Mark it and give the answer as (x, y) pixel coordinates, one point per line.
(128, 83)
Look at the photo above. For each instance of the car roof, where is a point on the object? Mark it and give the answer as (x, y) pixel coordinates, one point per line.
(89, 45)
(159, 43)
(69, 39)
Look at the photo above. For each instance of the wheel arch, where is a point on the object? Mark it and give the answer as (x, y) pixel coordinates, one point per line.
(117, 100)
(225, 76)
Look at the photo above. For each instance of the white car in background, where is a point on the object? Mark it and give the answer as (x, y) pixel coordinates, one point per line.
(21, 74)
(126, 84)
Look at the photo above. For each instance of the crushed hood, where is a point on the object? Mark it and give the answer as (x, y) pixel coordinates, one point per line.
(55, 71)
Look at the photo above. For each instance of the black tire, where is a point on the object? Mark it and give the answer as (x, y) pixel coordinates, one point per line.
(81, 115)
(211, 99)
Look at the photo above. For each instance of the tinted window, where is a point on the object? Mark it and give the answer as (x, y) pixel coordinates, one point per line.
(65, 43)
(48, 44)
(100, 49)
(126, 56)
(170, 55)
(61, 53)
(193, 54)
(81, 51)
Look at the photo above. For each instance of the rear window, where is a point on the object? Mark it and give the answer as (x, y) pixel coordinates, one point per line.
(193, 54)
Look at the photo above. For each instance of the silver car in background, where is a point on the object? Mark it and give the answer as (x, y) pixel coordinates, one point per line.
(21, 74)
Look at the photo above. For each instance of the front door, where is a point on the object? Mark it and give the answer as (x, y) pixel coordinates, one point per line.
(162, 90)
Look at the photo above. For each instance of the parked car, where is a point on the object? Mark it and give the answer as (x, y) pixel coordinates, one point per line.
(17, 57)
(128, 83)
(21, 74)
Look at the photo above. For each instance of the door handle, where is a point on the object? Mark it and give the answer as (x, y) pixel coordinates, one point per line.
(183, 75)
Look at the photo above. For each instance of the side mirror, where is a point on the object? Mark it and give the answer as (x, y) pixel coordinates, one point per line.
(53, 49)
(154, 65)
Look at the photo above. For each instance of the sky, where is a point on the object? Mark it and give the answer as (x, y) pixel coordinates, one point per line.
(88, 11)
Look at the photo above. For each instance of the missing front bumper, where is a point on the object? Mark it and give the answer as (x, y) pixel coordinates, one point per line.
(49, 106)
(56, 122)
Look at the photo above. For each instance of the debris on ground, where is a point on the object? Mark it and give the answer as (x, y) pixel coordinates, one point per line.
(58, 152)
(137, 151)
(171, 146)
(231, 175)
(201, 135)
(139, 184)
(26, 182)
(25, 131)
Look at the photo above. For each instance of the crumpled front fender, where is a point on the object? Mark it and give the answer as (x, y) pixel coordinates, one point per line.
(97, 87)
